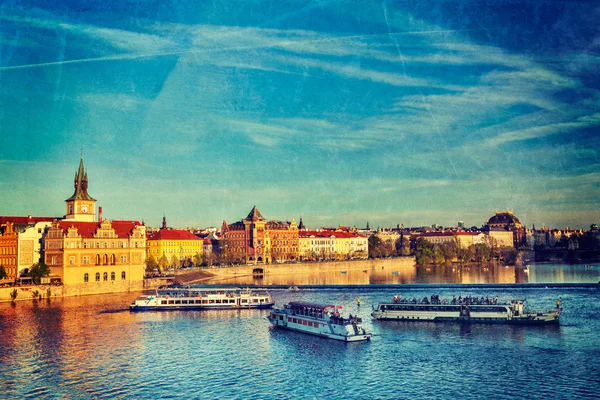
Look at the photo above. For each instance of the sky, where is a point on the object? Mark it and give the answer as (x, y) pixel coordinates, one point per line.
(339, 112)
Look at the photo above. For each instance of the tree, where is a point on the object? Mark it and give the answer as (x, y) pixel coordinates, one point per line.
(151, 264)
(374, 246)
(3, 273)
(163, 262)
(39, 270)
(424, 252)
(481, 253)
(450, 251)
(509, 255)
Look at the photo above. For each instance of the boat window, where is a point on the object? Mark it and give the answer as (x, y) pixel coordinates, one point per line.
(184, 301)
(163, 302)
(171, 302)
(198, 301)
(177, 301)
(218, 301)
(204, 301)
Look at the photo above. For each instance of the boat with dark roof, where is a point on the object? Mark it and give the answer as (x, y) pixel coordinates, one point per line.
(319, 319)
(466, 312)
(189, 298)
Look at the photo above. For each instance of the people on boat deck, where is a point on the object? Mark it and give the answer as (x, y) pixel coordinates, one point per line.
(558, 303)
(466, 300)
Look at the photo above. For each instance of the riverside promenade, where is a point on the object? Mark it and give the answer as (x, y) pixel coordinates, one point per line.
(213, 275)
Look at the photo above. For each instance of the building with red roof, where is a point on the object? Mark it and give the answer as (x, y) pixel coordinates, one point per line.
(174, 247)
(94, 256)
(255, 240)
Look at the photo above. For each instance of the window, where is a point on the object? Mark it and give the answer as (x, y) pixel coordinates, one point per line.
(123, 259)
(113, 259)
(123, 275)
(97, 276)
(53, 262)
(86, 277)
(71, 260)
(97, 259)
(105, 276)
(112, 276)
(86, 259)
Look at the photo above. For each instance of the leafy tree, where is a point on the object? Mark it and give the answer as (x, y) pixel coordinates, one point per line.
(481, 253)
(163, 262)
(151, 264)
(39, 270)
(509, 255)
(424, 251)
(3, 273)
(438, 255)
(375, 246)
(449, 251)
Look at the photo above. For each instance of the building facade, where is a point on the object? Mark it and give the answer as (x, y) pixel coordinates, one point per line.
(332, 244)
(20, 243)
(254, 240)
(94, 256)
(174, 247)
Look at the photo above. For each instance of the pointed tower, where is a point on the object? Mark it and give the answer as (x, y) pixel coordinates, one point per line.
(81, 206)
(164, 224)
(255, 225)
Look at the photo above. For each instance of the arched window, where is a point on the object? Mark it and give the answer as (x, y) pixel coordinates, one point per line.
(97, 276)
(105, 259)
(97, 259)
(105, 276)
(112, 276)
(123, 275)
(86, 277)
(113, 259)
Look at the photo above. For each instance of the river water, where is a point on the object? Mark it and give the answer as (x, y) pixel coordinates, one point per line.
(441, 274)
(93, 347)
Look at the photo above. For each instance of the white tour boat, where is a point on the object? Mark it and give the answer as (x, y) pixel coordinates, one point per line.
(189, 298)
(319, 319)
(492, 312)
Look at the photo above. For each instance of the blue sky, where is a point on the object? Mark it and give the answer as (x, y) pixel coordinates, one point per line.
(407, 112)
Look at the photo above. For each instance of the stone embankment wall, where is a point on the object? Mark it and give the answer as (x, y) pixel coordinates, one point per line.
(300, 268)
(29, 292)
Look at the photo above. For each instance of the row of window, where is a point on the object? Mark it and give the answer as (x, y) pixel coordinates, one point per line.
(104, 259)
(86, 276)
(197, 251)
(97, 245)
(303, 322)
(8, 250)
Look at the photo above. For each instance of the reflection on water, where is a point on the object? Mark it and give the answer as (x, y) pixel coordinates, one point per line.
(412, 274)
(93, 347)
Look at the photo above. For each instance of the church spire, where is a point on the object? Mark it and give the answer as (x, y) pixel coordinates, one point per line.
(81, 184)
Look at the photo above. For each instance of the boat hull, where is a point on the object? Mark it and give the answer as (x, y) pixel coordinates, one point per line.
(352, 338)
(197, 307)
(510, 313)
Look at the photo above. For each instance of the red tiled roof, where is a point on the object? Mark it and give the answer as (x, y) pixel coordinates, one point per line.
(328, 234)
(88, 229)
(26, 220)
(173, 234)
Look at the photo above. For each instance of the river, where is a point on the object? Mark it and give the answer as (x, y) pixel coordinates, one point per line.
(93, 347)
(410, 274)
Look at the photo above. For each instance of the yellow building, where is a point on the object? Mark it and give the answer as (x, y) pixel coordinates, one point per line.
(329, 244)
(174, 247)
(94, 257)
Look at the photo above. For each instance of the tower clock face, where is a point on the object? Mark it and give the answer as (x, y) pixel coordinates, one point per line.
(84, 209)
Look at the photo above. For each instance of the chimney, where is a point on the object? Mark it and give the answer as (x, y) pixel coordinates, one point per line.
(100, 214)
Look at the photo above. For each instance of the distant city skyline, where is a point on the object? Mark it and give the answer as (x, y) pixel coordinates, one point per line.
(413, 113)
